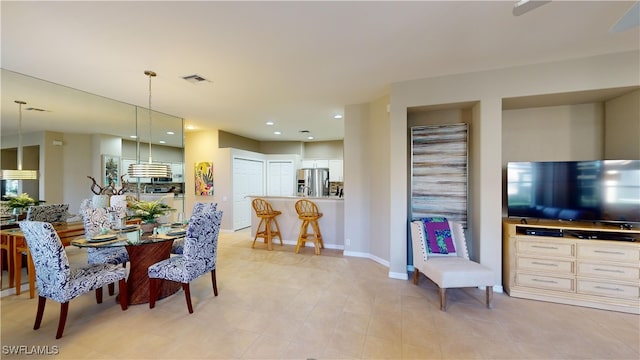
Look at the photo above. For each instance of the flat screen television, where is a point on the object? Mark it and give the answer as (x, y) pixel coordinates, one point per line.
(594, 191)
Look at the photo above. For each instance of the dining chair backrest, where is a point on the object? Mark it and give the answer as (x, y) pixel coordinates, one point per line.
(201, 207)
(95, 219)
(51, 213)
(49, 258)
(201, 240)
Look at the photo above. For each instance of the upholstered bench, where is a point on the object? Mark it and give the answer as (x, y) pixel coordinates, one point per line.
(453, 270)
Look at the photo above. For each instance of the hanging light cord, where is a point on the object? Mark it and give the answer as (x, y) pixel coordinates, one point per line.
(150, 74)
(20, 103)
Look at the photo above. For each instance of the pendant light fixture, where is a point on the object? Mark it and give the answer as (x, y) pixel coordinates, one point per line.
(149, 170)
(19, 174)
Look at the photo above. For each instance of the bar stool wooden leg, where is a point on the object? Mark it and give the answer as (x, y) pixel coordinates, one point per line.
(268, 234)
(316, 228)
(302, 235)
(257, 232)
(277, 233)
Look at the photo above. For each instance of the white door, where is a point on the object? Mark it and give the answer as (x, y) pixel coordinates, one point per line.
(280, 178)
(248, 179)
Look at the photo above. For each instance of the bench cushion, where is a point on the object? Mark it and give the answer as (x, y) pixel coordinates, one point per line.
(455, 272)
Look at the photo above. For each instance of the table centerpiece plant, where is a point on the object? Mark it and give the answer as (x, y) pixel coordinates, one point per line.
(20, 202)
(148, 211)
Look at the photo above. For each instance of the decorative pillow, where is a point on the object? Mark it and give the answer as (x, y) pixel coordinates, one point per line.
(437, 234)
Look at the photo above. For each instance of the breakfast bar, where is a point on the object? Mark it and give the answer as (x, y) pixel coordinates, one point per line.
(331, 223)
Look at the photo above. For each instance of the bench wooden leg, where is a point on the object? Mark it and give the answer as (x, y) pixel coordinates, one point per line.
(416, 276)
(443, 298)
(489, 297)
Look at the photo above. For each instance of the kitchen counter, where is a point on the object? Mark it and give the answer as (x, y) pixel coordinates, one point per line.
(331, 223)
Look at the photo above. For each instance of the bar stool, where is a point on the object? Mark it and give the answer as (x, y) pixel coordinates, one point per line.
(308, 212)
(267, 217)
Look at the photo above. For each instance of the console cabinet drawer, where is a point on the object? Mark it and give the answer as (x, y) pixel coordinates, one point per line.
(551, 265)
(545, 282)
(614, 253)
(608, 289)
(608, 271)
(555, 248)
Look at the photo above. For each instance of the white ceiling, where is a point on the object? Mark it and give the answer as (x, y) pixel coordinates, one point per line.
(294, 63)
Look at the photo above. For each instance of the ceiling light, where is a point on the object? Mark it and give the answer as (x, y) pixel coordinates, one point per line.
(149, 170)
(170, 133)
(277, 133)
(190, 127)
(162, 142)
(195, 79)
(309, 137)
(270, 123)
(19, 174)
(337, 116)
(524, 6)
(133, 136)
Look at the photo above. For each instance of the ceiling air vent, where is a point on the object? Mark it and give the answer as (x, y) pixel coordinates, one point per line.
(35, 109)
(195, 79)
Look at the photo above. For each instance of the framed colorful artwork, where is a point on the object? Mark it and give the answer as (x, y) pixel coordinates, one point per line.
(110, 169)
(204, 178)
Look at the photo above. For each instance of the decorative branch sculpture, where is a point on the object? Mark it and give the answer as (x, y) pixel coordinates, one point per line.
(110, 189)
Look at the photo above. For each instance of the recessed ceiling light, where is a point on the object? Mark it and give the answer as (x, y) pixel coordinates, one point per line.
(170, 133)
(309, 137)
(133, 136)
(270, 123)
(337, 116)
(277, 133)
(162, 142)
(189, 127)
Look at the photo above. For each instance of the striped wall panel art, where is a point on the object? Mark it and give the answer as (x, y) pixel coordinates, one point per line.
(439, 172)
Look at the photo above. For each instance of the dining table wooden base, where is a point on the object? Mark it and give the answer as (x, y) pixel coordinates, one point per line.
(142, 256)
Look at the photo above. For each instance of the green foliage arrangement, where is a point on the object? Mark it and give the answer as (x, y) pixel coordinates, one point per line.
(149, 211)
(20, 201)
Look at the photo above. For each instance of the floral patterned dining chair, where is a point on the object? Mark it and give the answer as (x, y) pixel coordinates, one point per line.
(57, 281)
(199, 257)
(94, 220)
(198, 208)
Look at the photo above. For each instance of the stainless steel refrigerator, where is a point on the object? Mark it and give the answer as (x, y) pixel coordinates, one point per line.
(313, 182)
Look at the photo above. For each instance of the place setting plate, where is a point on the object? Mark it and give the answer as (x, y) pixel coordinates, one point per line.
(102, 238)
(128, 228)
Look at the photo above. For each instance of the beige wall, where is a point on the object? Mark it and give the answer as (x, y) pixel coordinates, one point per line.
(553, 133)
(623, 127)
(487, 88)
(324, 150)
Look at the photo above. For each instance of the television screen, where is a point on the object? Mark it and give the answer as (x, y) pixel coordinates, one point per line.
(599, 190)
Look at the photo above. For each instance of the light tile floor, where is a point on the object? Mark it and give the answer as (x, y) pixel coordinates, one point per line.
(282, 305)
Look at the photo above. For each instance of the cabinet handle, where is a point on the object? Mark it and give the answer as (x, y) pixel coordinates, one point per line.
(610, 270)
(544, 247)
(544, 264)
(545, 281)
(609, 252)
(608, 288)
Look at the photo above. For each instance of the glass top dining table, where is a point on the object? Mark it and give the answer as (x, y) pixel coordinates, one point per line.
(129, 236)
(144, 250)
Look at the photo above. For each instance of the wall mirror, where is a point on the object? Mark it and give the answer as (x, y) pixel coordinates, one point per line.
(66, 133)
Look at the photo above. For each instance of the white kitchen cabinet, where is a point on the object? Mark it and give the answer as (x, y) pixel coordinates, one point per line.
(336, 171)
(280, 178)
(312, 164)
